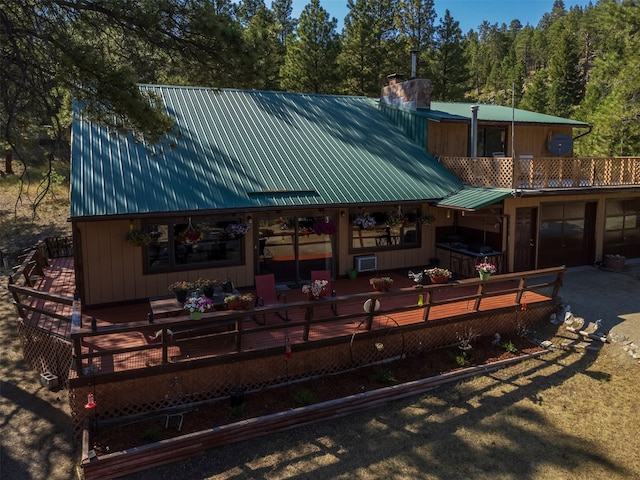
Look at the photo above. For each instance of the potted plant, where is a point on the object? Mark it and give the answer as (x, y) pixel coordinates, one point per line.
(197, 306)
(316, 289)
(485, 269)
(239, 301)
(438, 275)
(137, 238)
(614, 262)
(324, 227)
(207, 286)
(181, 289)
(364, 221)
(427, 220)
(382, 284)
(236, 230)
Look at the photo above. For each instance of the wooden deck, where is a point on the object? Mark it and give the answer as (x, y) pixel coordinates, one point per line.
(122, 338)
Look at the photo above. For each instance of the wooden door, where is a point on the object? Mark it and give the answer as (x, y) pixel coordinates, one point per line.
(525, 243)
(567, 232)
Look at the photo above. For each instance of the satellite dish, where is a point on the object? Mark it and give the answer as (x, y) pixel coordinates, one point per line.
(560, 144)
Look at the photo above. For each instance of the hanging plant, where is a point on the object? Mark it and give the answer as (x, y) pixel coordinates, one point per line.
(190, 234)
(324, 227)
(427, 220)
(364, 221)
(236, 230)
(136, 237)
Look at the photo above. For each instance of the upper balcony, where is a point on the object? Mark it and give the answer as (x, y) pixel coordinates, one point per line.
(535, 173)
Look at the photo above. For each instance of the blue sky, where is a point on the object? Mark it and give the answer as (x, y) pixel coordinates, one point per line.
(470, 13)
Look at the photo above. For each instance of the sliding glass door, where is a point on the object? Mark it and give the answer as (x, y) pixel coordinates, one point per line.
(291, 247)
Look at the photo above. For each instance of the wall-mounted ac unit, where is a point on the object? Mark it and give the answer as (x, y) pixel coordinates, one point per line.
(366, 263)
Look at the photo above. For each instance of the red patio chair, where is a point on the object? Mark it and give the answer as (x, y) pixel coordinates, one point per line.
(325, 275)
(266, 294)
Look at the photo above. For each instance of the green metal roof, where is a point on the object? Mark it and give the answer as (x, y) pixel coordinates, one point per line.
(474, 198)
(253, 149)
(443, 111)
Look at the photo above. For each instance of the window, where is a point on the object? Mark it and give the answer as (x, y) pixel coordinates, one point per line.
(195, 243)
(382, 229)
(491, 140)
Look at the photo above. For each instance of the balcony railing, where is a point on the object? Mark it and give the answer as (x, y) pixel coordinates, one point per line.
(534, 173)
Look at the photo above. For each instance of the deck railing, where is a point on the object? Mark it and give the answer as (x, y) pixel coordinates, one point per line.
(225, 333)
(527, 172)
(32, 302)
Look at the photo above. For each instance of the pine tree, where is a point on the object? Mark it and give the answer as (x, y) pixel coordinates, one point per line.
(311, 61)
(367, 45)
(415, 21)
(450, 75)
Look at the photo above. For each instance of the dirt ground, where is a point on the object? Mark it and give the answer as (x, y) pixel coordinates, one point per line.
(570, 414)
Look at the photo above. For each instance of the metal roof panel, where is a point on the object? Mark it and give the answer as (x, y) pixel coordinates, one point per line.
(249, 149)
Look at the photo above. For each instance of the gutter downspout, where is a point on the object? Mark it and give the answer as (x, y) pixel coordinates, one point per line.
(474, 130)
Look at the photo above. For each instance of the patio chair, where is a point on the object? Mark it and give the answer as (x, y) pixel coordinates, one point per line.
(266, 294)
(325, 275)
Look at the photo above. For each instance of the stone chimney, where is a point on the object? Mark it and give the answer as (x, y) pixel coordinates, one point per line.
(411, 94)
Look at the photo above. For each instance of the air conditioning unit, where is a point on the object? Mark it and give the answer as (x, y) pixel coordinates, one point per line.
(366, 263)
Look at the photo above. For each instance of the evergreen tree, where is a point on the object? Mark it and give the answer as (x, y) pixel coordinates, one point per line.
(367, 45)
(286, 24)
(535, 94)
(612, 99)
(450, 75)
(415, 21)
(311, 61)
(564, 74)
(264, 53)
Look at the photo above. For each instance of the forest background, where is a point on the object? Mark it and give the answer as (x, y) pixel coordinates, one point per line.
(580, 63)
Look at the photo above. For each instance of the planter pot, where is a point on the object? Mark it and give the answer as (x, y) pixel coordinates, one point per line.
(235, 305)
(381, 288)
(181, 296)
(195, 315)
(614, 262)
(484, 275)
(236, 397)
(208, 292)
(317, 297)
(443, 279)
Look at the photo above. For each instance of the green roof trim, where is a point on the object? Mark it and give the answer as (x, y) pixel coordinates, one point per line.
(443, 111)
(474, 198)
(241, 150)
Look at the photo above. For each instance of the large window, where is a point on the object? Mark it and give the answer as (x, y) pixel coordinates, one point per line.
(622, 227)
(194, 243)
(385, 229)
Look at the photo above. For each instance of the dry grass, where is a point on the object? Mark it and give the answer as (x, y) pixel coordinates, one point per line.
(566, 415)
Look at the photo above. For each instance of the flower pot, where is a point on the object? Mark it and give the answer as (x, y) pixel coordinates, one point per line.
(317, 297)
(181, 296)
(197, 315)
(381, 288)
(484, 275)
(614, 262)
(443, 279)
(235, 305)
(208, 292)
(352, 274)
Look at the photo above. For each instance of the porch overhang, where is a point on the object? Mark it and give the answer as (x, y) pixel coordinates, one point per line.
(474, 198)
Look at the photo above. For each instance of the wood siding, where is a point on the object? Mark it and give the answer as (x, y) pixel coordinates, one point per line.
(112, 269)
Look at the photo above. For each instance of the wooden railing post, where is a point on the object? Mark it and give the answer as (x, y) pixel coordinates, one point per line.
(239, 328)
(308, 316)
(77, 355)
